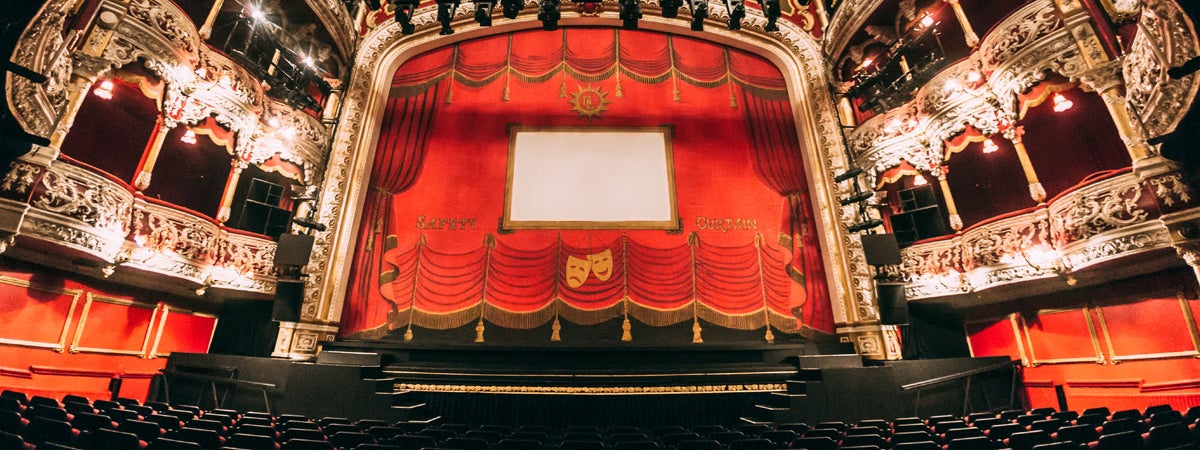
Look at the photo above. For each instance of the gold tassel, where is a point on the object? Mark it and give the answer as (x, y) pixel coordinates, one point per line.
(620, 93)
(770, 336)
(696, 339)
(408, 333)
(676, 94)
(505, 96)
(450, 95)
(732, 101)
(479, 330)
(562, 89)
(555, 331)
(626, 336)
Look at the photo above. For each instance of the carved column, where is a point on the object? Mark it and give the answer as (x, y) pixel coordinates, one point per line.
(150, 155)
(951, 208)
(1107, 82)
(1015, 135)
(206, 29)
(968, 31)
(77, 91)
(846, 112)
(235, 174)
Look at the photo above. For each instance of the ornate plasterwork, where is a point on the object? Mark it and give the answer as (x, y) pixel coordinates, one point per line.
(222, 89)
(80, 209)
(1166, 38)
(1099, 222)
(384, 47)
(1013, 57)
(37, 106)
(337, 20)
(849, 17)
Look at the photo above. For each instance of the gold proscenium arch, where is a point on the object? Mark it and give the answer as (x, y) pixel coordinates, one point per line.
(795, 52)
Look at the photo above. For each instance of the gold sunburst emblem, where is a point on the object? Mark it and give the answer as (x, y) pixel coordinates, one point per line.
(589, 102)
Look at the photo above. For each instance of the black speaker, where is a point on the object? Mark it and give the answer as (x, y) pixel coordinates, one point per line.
(289, 295)
(293, 249)
(881, 249)
(893, 307)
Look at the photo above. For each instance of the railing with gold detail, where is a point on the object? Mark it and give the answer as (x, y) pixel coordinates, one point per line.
(1106, 217)
(81, 208)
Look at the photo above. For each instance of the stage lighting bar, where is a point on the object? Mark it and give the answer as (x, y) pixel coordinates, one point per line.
(855, 198)
(863, 226)
(853, 172)
(483, 12)
(670, 8)
(737, 12)
(773, 11)
(445, 14)
(699, 13)
(631, 13)
(404, 15)
(549, 14)
(512, 8)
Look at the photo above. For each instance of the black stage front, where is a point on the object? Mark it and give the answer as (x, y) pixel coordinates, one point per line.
(640, 385)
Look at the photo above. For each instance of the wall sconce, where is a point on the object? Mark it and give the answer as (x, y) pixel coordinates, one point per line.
(1052, 260)
(989, 146)
(104, 90)
(189, 137)
(1061, 103)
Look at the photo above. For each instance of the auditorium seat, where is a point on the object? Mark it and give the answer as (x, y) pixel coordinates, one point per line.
(910, 427)
(781, 438)
(260, 430)
(1091, 419)
(1065, 416)
(377, 447)
(636, 445)
(703, 444)
(635, 436)
(753, 429)
(164, 421)
(962, 433)
(568, 445)
(49, 412)
(441, 434)
(911, 436)
(1101, 411)
(1025, 440)
(378, 432)
(862, 439)
(539, 436)
(8, 404)
(813, 443)
(1166, 436)
(463, 428)
(260, 421)
(38, 400)
(146, 431)
(307, 444)
(1127, 440)
(104, 439)
(205, 424)
(517, 444)
(1003, 431)
(860, 429)
(824, 432)
(1043, 411)
(208, 439)
(970, 443)
(11, 422)
(752, 444)
(347, 439)
(1079, 434)
(1059, 446)
(172, 444)
(797, 427)
(1121, 425)
(860, 447)
(11, 441)
(303, 424)
(595, 436)
(76, 408)
(41, 429)
(465, 443)
(836, 425)
(1164, 417)
(922, 445)
(1047, 425)
(250, 442)
(411, 442)
(91, 422)
(725, 437)
(366, 424)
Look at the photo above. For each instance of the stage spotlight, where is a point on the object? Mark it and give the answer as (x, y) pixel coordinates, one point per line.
(737, 12)
(670, 8)
(445, 14)
(853, 172)
(512, 8)
(863, 226)
(483, 12)
(404, 15)
(548, 13)
(631, 13)
(855, 198)
(773, 12)
(699, 13)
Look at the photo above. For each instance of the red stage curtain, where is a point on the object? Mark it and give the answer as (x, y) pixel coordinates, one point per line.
(402, 145)
(778, 163)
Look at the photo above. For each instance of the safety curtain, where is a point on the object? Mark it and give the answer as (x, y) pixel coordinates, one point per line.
(730, 265)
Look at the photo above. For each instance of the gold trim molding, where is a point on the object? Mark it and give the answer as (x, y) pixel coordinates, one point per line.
(87, 306)
(591, 390)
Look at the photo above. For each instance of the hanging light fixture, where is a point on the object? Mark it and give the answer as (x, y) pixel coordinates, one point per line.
(189, 137)
(927, 21)
(989, 146)
(974, 77)
(1061, 103)
(919, 180)
(104, 90)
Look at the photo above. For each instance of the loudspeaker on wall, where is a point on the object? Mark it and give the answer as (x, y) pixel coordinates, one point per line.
(289, 296)
(881, 249)
(893, 306)
(293, 249)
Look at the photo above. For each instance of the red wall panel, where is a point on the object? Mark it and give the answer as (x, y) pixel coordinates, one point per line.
(111, 339)
(1061, 335)
(998, 338)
